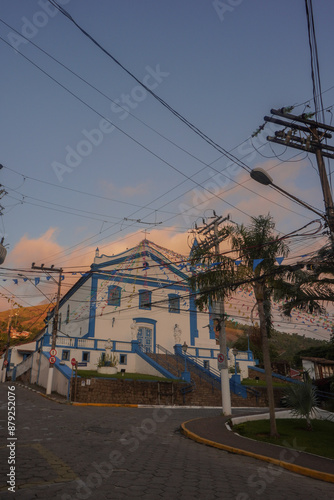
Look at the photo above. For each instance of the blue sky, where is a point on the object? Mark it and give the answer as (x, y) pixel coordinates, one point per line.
(223, 68)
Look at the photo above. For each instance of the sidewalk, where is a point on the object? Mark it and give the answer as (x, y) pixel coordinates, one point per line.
(213, 432)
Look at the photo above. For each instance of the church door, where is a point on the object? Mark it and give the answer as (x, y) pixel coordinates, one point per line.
(144, 338)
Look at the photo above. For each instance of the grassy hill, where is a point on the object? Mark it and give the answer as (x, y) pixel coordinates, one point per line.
(24, 319)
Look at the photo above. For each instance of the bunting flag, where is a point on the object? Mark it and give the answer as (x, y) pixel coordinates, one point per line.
(279, 260)
(256, 262)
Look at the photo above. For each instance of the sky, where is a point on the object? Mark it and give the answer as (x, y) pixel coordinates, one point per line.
(81, 171)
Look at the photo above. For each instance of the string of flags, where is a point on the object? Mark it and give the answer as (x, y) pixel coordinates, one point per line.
(238, 306)
(35, 280)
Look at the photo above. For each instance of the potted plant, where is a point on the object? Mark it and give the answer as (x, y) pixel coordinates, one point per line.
(107, 364)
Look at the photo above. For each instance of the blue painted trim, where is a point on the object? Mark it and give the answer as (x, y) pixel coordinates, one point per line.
(92, 308)
(114, 302)
(151, 322)
(193, 319)
(134, 346)
(145, 307)
(172, 298)
(159, 259)
(141, 293)
(250, 355)
(82, 356)
(69, 354)
(125, 359)
(281, 377)
(153, 282)
(64, 369)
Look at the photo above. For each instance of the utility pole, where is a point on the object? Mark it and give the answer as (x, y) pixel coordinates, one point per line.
(213, 240)
(55, 319)
(308, 136)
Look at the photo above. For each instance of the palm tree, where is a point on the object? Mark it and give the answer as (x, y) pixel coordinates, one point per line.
(310, 285)
(257, 247)
(302, 400)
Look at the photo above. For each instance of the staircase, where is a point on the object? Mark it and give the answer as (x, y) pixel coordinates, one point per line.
(205, 386)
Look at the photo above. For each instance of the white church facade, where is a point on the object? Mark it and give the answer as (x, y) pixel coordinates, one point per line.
(135, 303)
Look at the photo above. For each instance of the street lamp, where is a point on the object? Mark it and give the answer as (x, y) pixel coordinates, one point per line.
(185, 375)
(261, 176)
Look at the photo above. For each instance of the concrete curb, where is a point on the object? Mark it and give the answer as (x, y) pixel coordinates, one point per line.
(112, 405)
(323, 476)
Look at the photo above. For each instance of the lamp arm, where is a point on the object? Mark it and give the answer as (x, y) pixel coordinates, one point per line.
(300, 202)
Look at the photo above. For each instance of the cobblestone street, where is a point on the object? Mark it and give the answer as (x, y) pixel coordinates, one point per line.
(65, 452)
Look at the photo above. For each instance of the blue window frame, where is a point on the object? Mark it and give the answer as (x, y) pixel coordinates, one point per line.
(123, 359)
(86, 356)
(173, 303)
(145, 298)
(114, 295)
(65, 356)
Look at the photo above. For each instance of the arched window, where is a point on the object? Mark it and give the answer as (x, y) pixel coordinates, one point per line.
(114, 296)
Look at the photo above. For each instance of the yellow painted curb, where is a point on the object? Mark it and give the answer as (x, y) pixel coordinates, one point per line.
(115, 405)
(323, 476)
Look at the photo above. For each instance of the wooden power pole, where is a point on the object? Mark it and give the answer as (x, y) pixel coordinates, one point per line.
(310, 136)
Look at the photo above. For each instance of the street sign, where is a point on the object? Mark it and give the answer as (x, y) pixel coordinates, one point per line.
(222, 361)
(83, 363)
(73, 361)
(52, 360)
(5, 362)
(53, 352)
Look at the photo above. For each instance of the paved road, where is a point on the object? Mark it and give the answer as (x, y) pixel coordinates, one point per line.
(97, 453)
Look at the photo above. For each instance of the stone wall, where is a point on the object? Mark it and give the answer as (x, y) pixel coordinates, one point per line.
(25, 377)
(161, 393)
(126, 392)
(254, 374)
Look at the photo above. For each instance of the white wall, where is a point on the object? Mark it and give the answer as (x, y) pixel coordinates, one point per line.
(308, 366)
(24, 366)
(16, 356)
(79, 304)
(60, 383)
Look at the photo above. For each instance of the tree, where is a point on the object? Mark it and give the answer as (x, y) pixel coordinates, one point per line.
(257, 247)
(311, 284)
(253, 337)
(302, 400)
